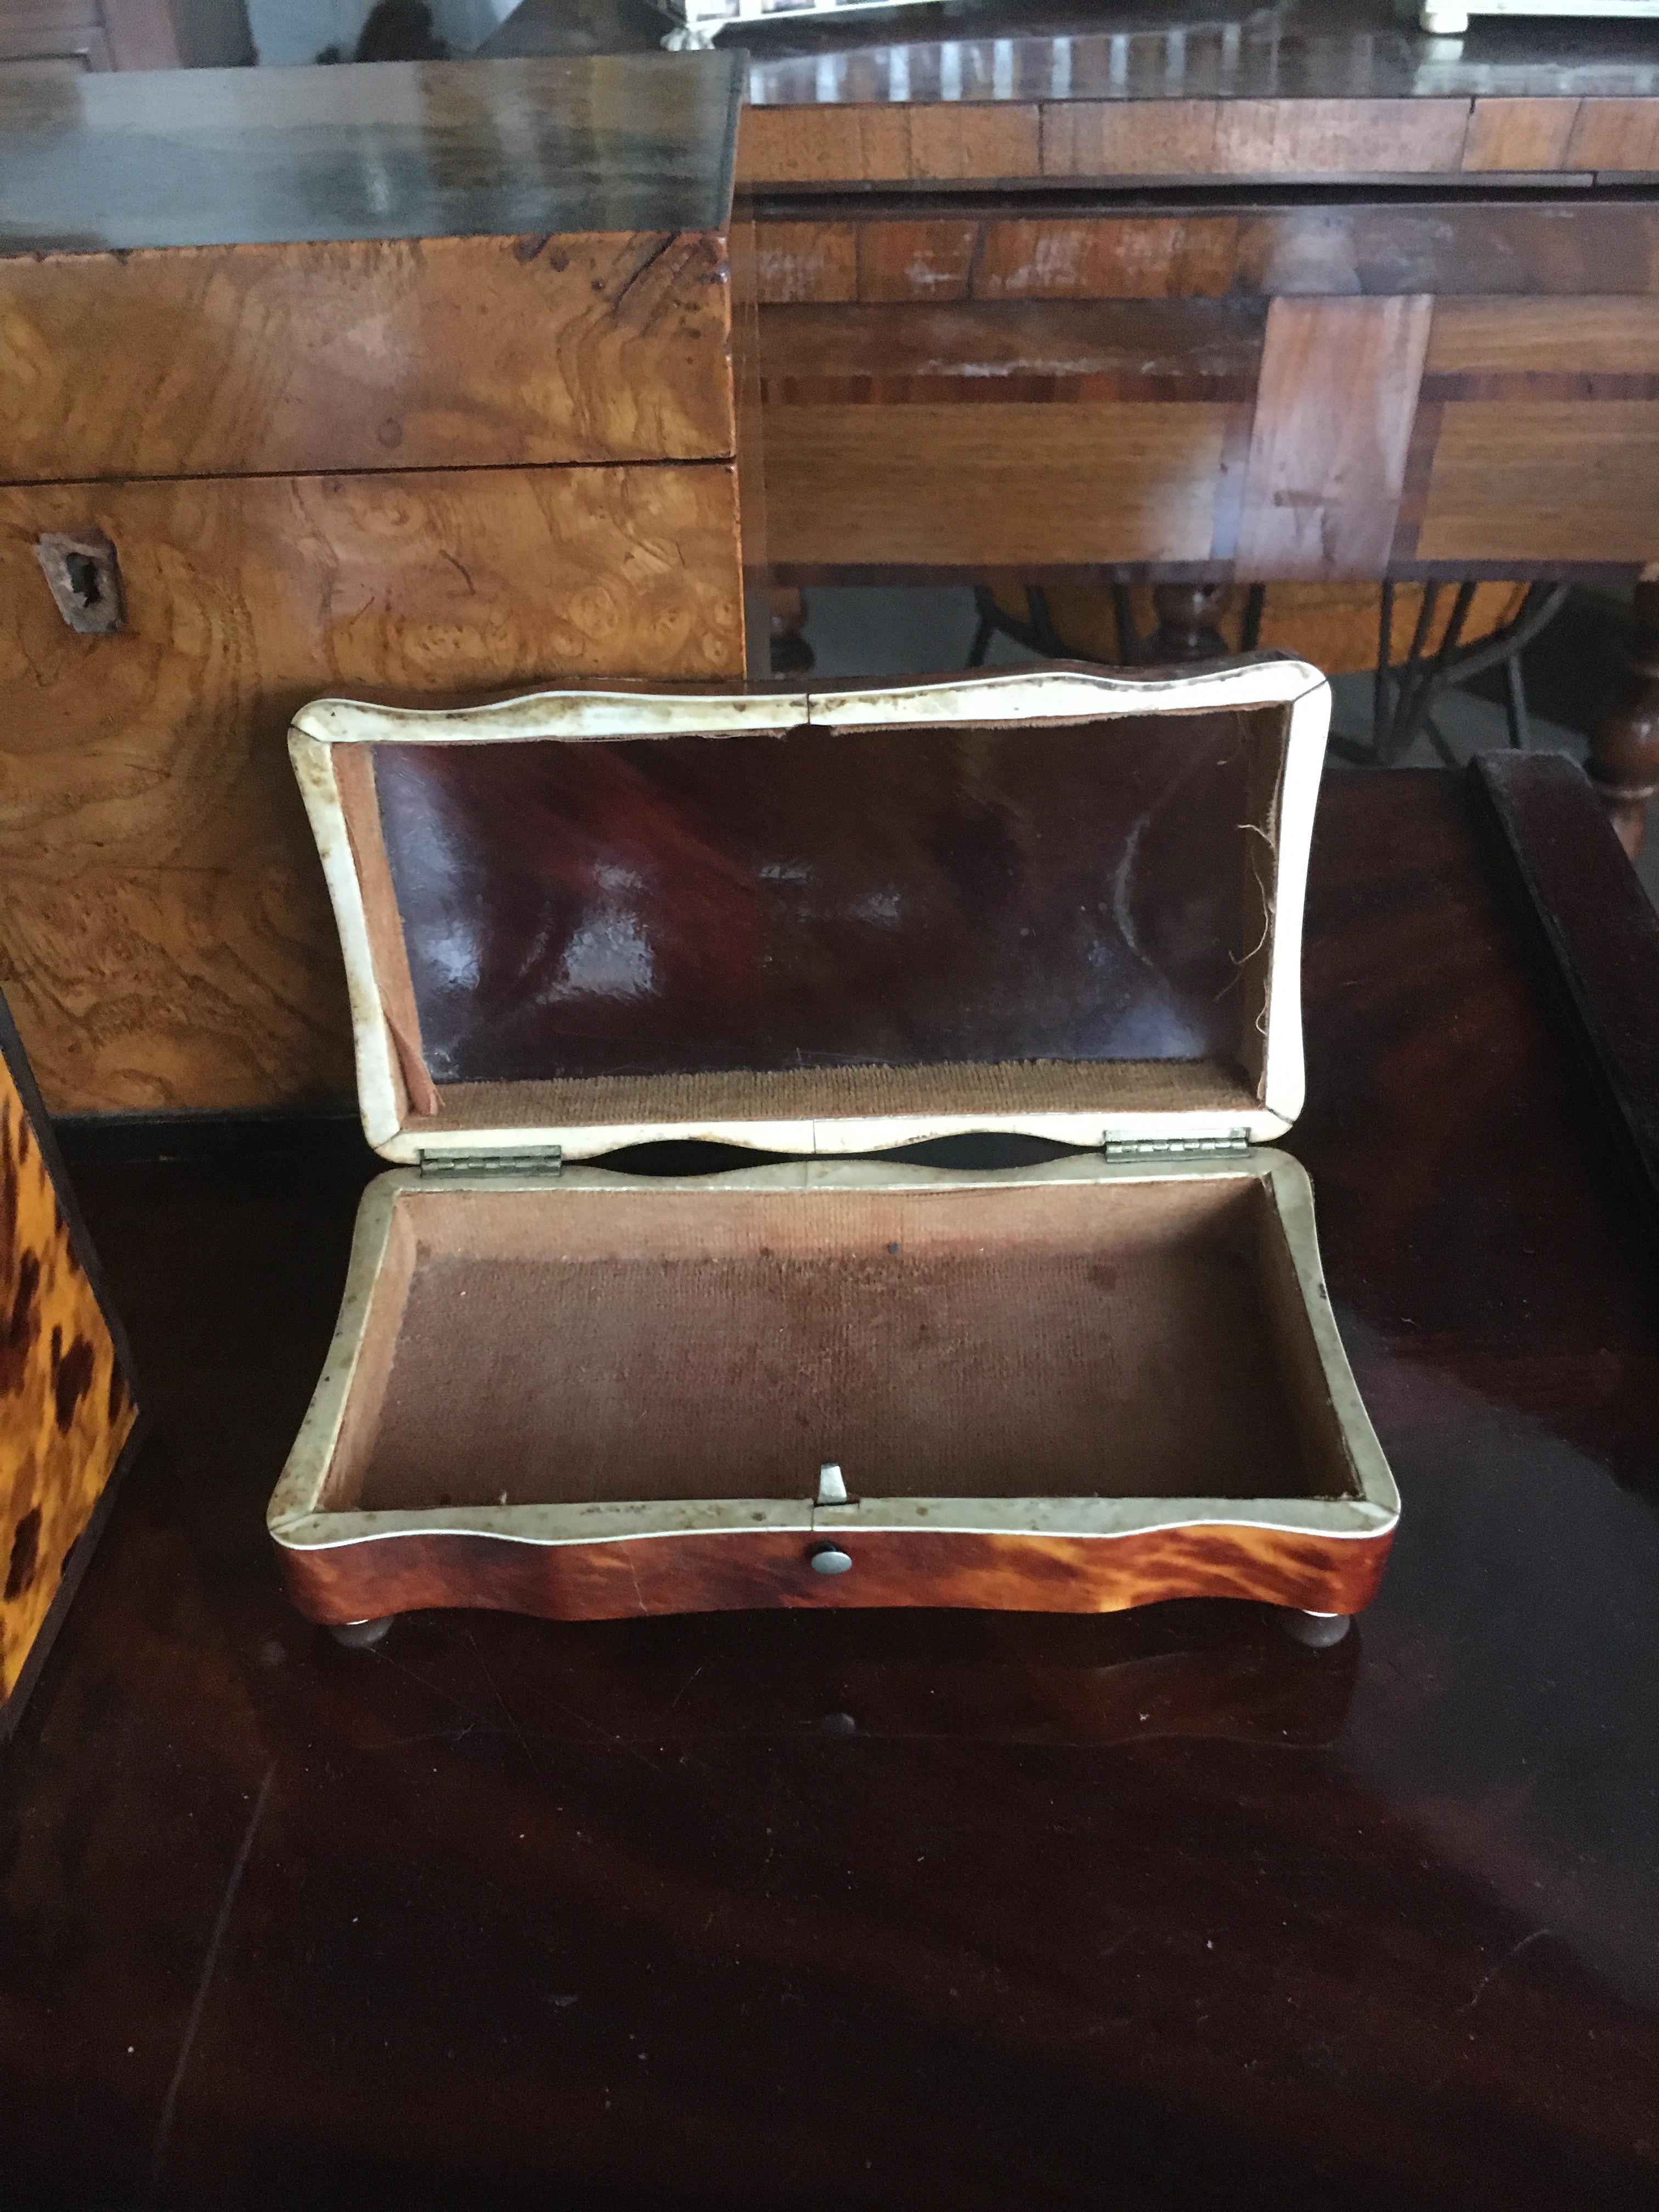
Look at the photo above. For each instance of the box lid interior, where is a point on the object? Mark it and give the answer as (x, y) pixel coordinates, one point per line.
(824, 921)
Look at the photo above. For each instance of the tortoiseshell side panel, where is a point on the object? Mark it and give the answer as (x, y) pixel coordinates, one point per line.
(726, 1572)
(66, 1410)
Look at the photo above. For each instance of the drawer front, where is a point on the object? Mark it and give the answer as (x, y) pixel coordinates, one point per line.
(383, 353)
(165, 940)
(770, 1568)
(1539, 431)
(1277, 394)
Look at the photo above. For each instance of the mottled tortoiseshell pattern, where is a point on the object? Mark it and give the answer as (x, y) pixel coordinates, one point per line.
(65, 1409)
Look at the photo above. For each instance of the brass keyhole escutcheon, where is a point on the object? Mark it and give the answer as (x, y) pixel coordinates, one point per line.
(84, 579)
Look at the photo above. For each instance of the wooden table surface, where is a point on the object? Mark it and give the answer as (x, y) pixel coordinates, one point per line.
(940, 1910)
(990, 49)
(1337, 87)
(1054, 292)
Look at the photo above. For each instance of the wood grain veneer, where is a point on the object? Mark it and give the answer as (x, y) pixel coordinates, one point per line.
(888, 144)
(371, 354)
(1282, 139)
(1462, 246)
(1336, 401)
(1519, 134)
(1615, 135)
(476, 427)
(1041, 394)
(1252, 137)
(1544, 481)
(1522, 341)
(1015, 484)
(165, 927)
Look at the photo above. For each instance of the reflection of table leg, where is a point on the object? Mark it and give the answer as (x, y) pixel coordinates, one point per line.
(1624, 755)
(360, 1635)
(791, 654)
(1189, 619)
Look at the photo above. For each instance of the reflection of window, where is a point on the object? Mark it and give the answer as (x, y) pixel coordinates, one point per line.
(704, 18)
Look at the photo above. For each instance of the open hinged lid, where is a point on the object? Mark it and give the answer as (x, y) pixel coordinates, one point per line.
(1052, 902)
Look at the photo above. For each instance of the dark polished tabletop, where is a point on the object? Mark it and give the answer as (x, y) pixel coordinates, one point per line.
(986, 50)
(96, 162)
(902, 1911)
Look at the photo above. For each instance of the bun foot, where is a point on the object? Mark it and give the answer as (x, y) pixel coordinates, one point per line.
(1318, 1631)
(359, 1635)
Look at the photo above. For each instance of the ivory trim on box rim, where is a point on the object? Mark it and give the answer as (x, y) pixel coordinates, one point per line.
(298, 1523)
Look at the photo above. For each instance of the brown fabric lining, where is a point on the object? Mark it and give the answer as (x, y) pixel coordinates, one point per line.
(828, 1094)
(1077, 1340)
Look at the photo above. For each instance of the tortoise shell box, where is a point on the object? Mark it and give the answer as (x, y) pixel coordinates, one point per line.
(69, 1426)
(828, 926)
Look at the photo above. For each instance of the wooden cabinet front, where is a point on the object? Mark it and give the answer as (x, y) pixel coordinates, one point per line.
(166, 936)
(413, 381)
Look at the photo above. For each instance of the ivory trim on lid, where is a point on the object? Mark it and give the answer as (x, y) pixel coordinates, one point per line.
(1052, 694)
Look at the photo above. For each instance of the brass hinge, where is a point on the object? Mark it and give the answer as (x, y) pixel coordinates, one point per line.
(1177, 1148)
(547, 1160)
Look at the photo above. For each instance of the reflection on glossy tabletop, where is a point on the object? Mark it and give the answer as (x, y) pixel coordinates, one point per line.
(901, 1912)
(383, 149)
(1299, 49)
(988, 50)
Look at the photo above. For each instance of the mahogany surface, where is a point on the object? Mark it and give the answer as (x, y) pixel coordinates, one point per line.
(682, 904)
(902, 1911)
(1608, 979)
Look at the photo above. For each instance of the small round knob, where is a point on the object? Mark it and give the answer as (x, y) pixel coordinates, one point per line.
(829, 1559)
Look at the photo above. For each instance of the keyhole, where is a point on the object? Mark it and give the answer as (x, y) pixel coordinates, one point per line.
(84, 581)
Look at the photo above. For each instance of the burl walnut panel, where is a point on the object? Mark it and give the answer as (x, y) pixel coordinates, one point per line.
(376, 354)
(167, 937)
(746, 1570)
(417, 380)
(66, 1409)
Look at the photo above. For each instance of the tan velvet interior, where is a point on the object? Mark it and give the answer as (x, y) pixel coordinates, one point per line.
(1038, 1086)
(1123, 1338)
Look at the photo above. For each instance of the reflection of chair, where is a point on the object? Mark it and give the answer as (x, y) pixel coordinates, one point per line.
(1342, 628)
